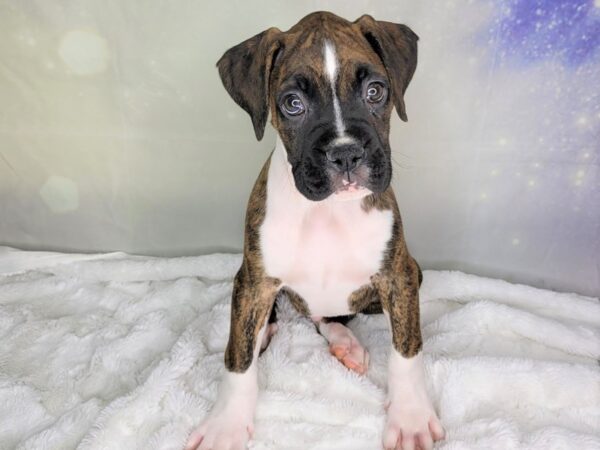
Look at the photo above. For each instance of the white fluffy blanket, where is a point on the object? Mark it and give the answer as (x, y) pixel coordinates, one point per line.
(122, 352)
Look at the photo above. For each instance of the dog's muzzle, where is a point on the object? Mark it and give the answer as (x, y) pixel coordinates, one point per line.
(347, 169)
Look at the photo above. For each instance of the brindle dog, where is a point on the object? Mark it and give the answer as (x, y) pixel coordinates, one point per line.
(322, 226)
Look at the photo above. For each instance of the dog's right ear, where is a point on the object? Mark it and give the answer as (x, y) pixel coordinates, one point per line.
(245, 71)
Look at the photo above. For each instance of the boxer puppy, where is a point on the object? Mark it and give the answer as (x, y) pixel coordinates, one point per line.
(322, 224)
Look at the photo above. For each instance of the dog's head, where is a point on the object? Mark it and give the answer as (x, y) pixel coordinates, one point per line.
(330, 86)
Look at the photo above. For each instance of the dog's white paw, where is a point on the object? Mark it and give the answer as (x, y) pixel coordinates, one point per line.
(229, 425)
(411, 426)
(411, 420)
(221, 431)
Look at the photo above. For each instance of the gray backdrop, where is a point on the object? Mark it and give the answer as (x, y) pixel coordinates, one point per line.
(116, 134)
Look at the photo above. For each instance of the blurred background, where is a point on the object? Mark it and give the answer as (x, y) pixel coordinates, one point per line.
(116, 134)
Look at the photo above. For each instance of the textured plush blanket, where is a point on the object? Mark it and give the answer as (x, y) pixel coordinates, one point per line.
(123, 352)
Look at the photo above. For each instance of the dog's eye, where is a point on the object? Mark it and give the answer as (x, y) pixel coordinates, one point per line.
(292, 105)
(375, 92)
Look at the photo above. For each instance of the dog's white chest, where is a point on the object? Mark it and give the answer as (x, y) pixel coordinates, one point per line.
(322, 250)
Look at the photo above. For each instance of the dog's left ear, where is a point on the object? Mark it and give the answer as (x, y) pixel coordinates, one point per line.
(396, 46)
(245, 70)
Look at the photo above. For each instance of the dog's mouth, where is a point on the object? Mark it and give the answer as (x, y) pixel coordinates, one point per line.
(352, 191)
(351, 185)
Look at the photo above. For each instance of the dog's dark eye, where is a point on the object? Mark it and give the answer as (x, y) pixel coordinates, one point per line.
(375, 92)
(292, 105)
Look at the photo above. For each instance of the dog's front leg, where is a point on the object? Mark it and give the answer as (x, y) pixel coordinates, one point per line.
(230, 422)
(411, 420)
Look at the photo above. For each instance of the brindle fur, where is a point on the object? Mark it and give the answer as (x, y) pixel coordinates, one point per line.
(364, 299)
(253, 291)
(296, 300)
(251, 72)
(398, 281)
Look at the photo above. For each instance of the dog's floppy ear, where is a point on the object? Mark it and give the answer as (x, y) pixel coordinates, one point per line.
(396, 46)
(245, 71)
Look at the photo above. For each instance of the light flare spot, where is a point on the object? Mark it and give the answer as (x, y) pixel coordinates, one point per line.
(60, 194)
(84, 52)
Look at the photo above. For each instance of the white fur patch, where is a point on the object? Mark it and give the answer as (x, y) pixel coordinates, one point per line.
(341, 140)
(230, 421)
(406, 376)
(330, 61)
(322, 250)
(331, 67)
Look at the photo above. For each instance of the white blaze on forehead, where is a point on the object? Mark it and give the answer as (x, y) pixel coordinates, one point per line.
(331, 67)
(330, 61)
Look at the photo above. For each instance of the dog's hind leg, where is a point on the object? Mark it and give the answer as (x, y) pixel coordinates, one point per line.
(343, 344)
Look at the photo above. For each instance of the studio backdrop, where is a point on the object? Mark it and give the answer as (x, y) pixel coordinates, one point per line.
(116, 133)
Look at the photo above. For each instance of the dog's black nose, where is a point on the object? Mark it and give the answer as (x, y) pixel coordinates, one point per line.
(345, 158)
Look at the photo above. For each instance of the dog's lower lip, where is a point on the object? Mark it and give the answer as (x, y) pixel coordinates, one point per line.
(349, 187)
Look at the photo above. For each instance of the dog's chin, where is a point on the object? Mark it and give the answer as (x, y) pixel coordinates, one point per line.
(352, 191)
(345, 191)
(351, 186)
(312, 193)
